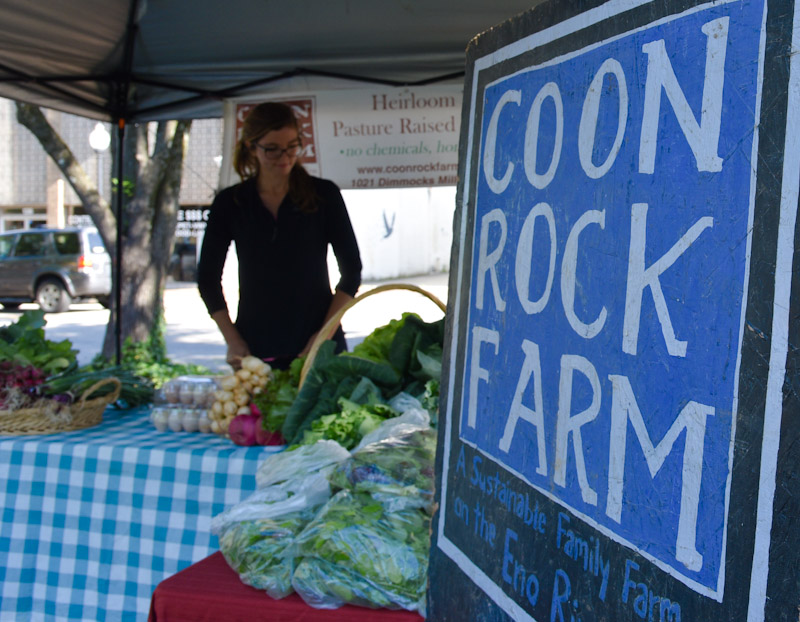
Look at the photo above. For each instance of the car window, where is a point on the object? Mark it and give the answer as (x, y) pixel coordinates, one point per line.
(29, 245)
(6, 244)
(96, 243)
(67, 243)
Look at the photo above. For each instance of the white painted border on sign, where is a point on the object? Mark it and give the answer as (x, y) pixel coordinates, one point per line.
(779, 345)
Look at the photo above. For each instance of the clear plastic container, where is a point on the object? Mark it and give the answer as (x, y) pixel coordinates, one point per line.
(188, 392)
(182, 404)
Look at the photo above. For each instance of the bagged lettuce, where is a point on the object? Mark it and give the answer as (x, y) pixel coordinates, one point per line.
(397, 471)
(299, 462)
(327, 585)
(261, 551)
(356, 551)
(294, 495)
(257, 535)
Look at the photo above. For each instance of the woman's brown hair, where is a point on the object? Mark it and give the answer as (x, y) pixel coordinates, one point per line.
(262, 119)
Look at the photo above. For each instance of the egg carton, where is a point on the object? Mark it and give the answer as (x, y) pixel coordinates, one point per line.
(180, 419)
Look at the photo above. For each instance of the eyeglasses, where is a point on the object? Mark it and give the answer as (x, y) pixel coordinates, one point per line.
(276, 153)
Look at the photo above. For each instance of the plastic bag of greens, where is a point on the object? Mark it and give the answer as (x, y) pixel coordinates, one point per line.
(356, 551)
(403, 402)
(298, 462)
(256, 536)
(398, 471)
(410, 420)
(278, 500)
(262, 551)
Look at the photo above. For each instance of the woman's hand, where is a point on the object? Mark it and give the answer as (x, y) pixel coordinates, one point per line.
(237, 347)
(236, 352)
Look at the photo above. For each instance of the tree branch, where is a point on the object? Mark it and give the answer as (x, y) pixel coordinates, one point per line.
(32, 118)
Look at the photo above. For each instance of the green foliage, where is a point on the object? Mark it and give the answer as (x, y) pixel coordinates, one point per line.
(277, 397)
(357, 551)
(24, 343)
(349, 424)
(134, 390)
(148, 359)
(128, 186)
(404, 355)
(332, 377)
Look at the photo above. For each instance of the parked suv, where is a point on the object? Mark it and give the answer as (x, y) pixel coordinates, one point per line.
(53, 267)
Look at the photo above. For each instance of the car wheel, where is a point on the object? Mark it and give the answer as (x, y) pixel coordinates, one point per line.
(105, 301)
(52, 297)
(11, 306)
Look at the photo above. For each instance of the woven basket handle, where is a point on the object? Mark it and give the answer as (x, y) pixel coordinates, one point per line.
(101, 383)
(329, 328)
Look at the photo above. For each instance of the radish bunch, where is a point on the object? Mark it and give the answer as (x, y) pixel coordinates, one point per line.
(18, 379)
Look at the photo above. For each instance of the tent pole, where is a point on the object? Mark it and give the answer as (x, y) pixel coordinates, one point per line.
(118, 260)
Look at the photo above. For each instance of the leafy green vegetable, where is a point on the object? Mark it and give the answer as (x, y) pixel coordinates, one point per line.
(134, 391)
(416, 336)
(349, 424)
(430, 400)
(356, 551)
(277, 397)
(397, 471)
(367, 392)
(401, 356)
(24, 343)
(430, 363)
(330, 378)
(377, 344)
(261, 551)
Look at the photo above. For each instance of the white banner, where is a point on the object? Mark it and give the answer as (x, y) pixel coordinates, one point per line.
(369, 138)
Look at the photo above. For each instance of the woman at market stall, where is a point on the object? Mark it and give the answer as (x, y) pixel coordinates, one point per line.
(282, 220)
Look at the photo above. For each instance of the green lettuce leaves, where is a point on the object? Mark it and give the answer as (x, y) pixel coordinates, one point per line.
(405, 355)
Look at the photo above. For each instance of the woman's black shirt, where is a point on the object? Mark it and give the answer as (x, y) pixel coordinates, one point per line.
(284, 285)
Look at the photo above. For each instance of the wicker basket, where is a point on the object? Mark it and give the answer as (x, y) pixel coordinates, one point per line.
(329, 329)
(51, 417)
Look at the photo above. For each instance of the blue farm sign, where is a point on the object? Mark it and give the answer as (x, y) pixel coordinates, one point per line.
(604, 253)
(609, 197)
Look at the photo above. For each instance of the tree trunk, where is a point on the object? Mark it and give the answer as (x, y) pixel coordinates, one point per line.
(149, 221)
(149, 215)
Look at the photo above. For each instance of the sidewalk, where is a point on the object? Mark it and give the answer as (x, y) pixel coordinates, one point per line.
(192, 337)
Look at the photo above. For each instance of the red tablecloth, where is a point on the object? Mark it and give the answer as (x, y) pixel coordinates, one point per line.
(211, 591)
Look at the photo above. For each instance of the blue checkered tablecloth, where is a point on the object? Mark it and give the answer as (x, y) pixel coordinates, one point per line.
(93, 520)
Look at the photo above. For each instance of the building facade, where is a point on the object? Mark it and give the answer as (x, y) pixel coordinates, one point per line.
(33, 191)
(400, 231)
